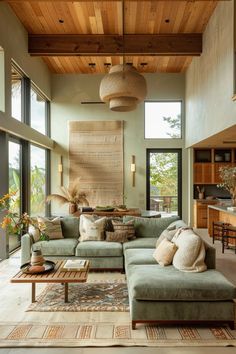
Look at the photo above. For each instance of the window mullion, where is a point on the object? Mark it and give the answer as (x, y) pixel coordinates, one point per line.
(26, 100)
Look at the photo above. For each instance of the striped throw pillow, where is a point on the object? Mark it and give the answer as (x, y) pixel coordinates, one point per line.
(116, 236)
(124, 227)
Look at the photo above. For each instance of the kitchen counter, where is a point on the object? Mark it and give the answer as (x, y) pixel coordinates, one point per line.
(222, 208)
(219, 213)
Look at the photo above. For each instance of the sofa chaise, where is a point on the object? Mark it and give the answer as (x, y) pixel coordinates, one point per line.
(156, 294)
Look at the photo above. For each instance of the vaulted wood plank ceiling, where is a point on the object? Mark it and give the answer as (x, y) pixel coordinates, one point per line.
(105, 18)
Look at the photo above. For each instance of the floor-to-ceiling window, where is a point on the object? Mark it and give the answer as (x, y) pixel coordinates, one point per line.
(37, 180)
(15, 183)
(28, 164)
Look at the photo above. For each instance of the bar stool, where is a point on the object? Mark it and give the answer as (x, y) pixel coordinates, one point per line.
(228, 233)
(218, 229)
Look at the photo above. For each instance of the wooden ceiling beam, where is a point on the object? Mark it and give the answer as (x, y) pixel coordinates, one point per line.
(15, 1)
(188, 44)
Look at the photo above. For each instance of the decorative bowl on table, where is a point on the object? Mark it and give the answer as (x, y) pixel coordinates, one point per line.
(104, 208)
(28, 268)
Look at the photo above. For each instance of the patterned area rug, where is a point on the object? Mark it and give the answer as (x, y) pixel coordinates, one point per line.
(80, 334)
(95, 296)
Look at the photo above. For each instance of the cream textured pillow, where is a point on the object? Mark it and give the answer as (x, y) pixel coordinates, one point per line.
(91, 229)
(164, 253)
(52, 227)
(34, 233)
(166, 234)
(191, 253)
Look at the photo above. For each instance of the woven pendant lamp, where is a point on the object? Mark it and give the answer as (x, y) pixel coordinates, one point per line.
(123, 88)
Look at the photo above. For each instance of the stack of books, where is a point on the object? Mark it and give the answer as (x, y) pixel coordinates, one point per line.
(75, 265)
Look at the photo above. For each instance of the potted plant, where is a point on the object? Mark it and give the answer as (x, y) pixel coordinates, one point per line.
(228, 177)
(70, 195)
(16, 224)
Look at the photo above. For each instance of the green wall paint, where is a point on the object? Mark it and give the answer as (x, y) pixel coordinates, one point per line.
(70, 90)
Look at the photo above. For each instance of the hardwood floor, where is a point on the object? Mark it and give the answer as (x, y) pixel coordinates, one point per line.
(15, 310)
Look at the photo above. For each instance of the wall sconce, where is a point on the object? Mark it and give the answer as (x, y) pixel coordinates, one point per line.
(60, 170)
(133, 170)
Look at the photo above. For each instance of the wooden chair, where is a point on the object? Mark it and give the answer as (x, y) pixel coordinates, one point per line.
(218, 229)
(167, 204)
(229, 233)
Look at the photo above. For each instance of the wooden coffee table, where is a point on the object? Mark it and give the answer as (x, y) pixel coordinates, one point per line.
(54, 276)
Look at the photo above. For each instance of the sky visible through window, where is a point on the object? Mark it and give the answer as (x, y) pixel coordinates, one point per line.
(162, 120)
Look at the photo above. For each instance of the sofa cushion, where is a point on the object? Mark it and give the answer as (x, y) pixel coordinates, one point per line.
(166, 234)
(91, 228)
(141, 242)
(153, 282)
(139, 256)
(191, 253)
(52, 228)
(70, 227)
(117, 236)
(164, 253)
(127, 227)
(150, 227)
(99, 249)
(176, 224)
(62, 247)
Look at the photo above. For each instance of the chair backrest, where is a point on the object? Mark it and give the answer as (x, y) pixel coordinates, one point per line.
(167, 200)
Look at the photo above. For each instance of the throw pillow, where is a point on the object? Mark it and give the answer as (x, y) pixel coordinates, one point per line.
(191, 252)
(52, 227)
(166, 234)
(122, 227)
(164, 253)
(91, 228)
(117, 236)
(34, 233)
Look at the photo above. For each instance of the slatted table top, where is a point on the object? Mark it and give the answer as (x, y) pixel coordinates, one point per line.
(54, 276)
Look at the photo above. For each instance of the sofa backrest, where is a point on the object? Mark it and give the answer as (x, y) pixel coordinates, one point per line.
(70, 227)
(150, 227)
(210, 258)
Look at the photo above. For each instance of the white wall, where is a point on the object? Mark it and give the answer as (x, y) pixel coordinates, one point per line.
(69, 90)
(209, 79)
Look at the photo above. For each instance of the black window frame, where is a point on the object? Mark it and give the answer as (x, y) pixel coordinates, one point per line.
(164, 150)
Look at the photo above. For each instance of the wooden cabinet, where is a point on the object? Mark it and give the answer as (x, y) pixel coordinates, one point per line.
(207, 163)
(203, 173)
(200, 212)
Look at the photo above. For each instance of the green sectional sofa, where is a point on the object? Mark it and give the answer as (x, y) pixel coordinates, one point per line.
(102, 254)
(156, 294)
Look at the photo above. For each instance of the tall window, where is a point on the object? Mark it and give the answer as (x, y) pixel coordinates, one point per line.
(14, 169)
(38, 180)
(163, 120)
(16, 94)
(164, 181)
(38, 111)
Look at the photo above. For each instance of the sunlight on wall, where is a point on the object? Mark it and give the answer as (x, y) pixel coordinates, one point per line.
(2, 81)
